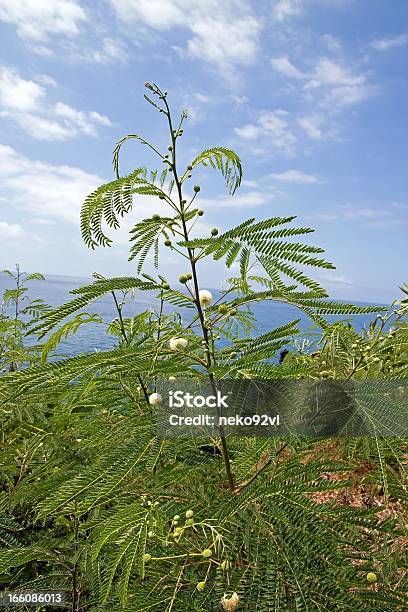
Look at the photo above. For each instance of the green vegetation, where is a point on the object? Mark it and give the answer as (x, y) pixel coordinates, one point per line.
(94, 502)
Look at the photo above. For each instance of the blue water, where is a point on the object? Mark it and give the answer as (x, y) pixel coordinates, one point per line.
(55, 290)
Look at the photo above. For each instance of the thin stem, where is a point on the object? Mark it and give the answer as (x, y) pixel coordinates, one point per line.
(126, 339)
(203, 325)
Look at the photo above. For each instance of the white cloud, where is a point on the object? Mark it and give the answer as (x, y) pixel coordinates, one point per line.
(221, 33)
(52, 193)
(340, 86)
(112, 50)
(248, 199)
(17, 93)
(283, 9)
(36, 19)
(10, 231)
(273, 127)
(25, 102)
(296, 176)
(47, 190)
(329, 83)
(353, 212)
(312, 125)
(383, 44)
(284, 66)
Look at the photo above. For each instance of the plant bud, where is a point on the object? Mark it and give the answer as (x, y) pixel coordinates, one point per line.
(225, 564)
(189, 168)
(206, 553)
(167, 242)
(200, 212)
(156, 217)
(183, 278)
(146, 558)
(371, 577)
(197, 188)
(166, 285)
(223, 308)
(172, 379)
(214, 231)
(176, 518)
(189, 514)
(200, 586)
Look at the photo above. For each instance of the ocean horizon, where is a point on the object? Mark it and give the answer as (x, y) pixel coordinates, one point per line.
(55, 290)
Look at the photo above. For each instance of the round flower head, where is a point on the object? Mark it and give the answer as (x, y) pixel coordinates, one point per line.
(172, 379)
(155, 399)
(178, 344)
(205, 297)
(189, 514)
(230, 603)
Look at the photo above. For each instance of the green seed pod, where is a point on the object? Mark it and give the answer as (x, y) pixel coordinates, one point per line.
(197, 188)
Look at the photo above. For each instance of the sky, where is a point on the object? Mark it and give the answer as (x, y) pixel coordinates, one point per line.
(312, 94)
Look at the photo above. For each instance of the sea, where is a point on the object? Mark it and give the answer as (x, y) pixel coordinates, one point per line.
(55, 290)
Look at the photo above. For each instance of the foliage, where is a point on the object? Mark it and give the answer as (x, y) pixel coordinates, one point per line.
(93, 501)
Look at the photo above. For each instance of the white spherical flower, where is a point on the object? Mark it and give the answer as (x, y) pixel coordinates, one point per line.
(155, 399)
(230, 603)
(205, 297)
(178, 344)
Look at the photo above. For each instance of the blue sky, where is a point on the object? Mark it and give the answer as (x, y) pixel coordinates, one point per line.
(312, 94)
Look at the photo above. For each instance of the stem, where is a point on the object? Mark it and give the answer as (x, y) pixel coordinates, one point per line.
(75, 591)
(204, 329)
(126, 339)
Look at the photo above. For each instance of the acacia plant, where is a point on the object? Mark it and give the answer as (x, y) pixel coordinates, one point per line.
(124, 519)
